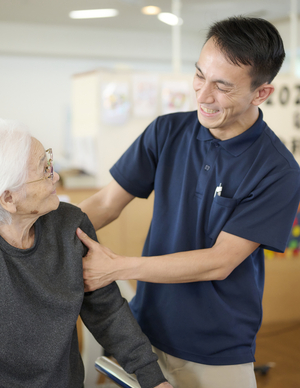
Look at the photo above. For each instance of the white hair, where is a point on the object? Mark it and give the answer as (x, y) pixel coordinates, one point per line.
(15, 143)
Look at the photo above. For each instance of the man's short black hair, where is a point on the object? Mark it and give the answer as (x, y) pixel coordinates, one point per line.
(250, 41)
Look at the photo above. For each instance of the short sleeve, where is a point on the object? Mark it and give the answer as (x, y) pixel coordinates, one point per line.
(266, 216)
(135, 170)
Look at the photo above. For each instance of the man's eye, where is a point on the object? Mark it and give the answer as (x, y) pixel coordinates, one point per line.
(221, 90)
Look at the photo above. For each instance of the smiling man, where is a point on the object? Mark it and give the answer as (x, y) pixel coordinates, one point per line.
(227, 102)
(225, 188)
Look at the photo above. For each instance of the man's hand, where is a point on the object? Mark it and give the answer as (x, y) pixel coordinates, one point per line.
(98, 264)
(164, 385)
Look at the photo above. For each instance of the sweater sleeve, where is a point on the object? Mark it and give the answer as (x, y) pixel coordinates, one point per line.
(108, 317)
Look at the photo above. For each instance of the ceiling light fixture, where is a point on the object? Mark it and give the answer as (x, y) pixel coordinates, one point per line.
(93, 13)
(170, 18)
(150, 10)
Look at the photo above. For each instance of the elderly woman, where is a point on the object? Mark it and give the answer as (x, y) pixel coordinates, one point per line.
(41, 281)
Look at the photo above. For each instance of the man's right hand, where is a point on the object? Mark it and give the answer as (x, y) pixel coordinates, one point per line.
(98, 264)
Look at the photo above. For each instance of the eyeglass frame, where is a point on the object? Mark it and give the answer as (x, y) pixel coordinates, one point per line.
(49, 155)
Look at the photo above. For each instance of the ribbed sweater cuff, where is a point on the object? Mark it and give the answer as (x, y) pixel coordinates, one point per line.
(150, 375)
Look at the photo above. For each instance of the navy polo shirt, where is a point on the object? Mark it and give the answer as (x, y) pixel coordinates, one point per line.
(211, 322)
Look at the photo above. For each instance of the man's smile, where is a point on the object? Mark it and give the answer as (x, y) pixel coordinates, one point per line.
(206, 110)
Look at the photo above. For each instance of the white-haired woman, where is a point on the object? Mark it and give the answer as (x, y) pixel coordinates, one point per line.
(41, 281)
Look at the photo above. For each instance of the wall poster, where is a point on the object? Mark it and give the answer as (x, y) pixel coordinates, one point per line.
(115, 103)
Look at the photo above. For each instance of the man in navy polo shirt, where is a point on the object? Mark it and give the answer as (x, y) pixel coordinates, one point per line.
(225, 189)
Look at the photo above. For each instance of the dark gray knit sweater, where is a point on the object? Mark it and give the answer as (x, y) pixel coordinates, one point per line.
(41, 297)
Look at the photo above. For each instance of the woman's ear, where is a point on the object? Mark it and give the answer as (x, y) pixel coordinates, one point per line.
(262, 93)
(7, 201)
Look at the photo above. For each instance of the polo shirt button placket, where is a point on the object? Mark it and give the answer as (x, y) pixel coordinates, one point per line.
(205, 176)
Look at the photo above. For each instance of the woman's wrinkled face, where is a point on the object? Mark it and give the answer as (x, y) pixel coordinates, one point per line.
(41, 197)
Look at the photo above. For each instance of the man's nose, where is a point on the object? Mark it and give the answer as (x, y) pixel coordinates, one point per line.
(205, 94)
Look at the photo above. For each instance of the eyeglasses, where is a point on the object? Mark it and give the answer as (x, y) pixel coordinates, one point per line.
(48, 173)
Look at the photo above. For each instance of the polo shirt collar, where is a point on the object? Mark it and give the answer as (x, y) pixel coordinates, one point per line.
(238, 144)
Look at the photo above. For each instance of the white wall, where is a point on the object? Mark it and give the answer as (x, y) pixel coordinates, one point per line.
(36, 91)
(35, 39)
(37, 63)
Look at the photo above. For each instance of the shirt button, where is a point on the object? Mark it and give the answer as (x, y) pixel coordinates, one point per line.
(207, 167)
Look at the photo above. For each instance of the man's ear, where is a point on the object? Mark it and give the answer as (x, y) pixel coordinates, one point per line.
(7, 201)
(262, 93)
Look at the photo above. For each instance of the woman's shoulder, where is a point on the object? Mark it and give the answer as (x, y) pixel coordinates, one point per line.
(66, 213)
(69, 208)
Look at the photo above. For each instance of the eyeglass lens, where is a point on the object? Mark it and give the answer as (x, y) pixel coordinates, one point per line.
(49, 154)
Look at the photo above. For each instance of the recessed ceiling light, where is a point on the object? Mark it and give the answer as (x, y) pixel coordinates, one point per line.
(169, 18)
(151, 10)
(93, 13)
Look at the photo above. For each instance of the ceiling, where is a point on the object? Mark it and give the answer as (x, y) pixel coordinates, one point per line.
(196, 14)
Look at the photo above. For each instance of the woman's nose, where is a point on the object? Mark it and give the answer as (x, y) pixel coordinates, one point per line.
(56, 177)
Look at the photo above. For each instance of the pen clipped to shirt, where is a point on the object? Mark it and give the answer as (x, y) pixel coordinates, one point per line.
(218, 190)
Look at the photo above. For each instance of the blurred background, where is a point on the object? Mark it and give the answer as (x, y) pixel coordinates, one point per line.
(42, 47)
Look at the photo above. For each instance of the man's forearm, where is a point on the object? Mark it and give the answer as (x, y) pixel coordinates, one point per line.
(98, 214)
(214, 263)
(102, 266)
(181, 267)
(106, 205)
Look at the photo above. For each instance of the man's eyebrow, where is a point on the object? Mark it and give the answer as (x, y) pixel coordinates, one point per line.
(219, 81)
